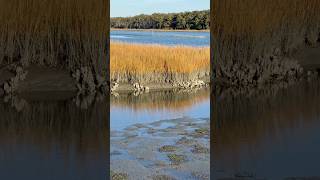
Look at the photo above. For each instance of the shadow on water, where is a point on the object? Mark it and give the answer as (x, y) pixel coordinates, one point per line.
(270, 133)
(53, 138)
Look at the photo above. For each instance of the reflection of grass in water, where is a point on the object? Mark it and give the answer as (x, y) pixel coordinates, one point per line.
(62, 124)
(156, 63)
(66, 33)
(161, 100)
(239, 119)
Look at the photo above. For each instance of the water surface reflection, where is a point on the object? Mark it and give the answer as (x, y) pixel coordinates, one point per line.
(128, 109)
(42, 138)
(272, 135)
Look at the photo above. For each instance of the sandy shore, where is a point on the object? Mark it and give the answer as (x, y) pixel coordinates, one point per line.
(166, 149)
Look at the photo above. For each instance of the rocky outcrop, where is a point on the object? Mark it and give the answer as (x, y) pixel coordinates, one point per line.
(114, 86)
(140, 88)
(11, 86)
(89, 82)
(263, 70)
(190, 84)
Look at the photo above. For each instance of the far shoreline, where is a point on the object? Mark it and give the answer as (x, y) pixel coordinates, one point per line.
(160, 30)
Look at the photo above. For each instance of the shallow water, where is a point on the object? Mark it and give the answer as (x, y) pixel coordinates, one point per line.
(154, 106)
(272, 134)
(53, 139)
(163, 38)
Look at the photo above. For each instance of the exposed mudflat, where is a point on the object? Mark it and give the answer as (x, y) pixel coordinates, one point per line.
(166, 149)
(40, 79)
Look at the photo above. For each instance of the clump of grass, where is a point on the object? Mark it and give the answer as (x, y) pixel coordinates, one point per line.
(168, 148)
(177, 159)
(185, 141)
(118, 176)
(61, 33)
(157, 63)
(163, 177)
(199, 149)
(252, 32)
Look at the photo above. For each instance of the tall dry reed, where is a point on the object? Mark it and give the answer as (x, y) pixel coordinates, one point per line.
(157, 63)
(244, 30)
(59, 33)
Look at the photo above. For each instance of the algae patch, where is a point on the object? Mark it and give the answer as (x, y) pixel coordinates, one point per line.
(118, 176)
(167, 148)
(177, 159)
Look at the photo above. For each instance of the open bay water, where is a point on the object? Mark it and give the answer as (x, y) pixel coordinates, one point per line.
(168, 38)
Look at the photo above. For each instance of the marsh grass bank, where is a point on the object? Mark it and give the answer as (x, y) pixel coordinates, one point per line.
(63, 34)
(157, 64)
(253, 41)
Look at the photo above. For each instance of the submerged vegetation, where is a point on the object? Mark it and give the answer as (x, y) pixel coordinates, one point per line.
(251, 38)
(67, 34)
(197, 20)
(156, 63)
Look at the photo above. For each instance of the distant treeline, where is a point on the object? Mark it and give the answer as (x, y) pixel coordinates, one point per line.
(197, 20)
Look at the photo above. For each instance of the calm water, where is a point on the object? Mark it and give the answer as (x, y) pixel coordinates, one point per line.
(146, 108)
(53, 139)
(163, 38)
(273, 134)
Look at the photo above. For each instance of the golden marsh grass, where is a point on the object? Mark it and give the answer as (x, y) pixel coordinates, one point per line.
(156, 62)
(244, 30)
(67, 33)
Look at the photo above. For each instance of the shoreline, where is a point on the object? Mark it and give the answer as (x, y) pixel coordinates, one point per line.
(302, 62)
(160, 30)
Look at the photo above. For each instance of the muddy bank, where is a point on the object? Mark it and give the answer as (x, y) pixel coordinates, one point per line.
(137, 87)
(166, 149)
(33, 79)
(299, 64)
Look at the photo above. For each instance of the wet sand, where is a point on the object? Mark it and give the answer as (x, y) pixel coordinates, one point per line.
(166, 149)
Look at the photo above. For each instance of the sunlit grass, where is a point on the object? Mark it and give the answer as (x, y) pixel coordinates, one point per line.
(69, 33)
(242, 30)
(146, 60)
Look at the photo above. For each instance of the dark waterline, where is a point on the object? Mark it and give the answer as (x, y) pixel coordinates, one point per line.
(273, 134)
(162, 37)
(53, 139)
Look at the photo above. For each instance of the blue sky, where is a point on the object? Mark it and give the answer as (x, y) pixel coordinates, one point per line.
(124, 8)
